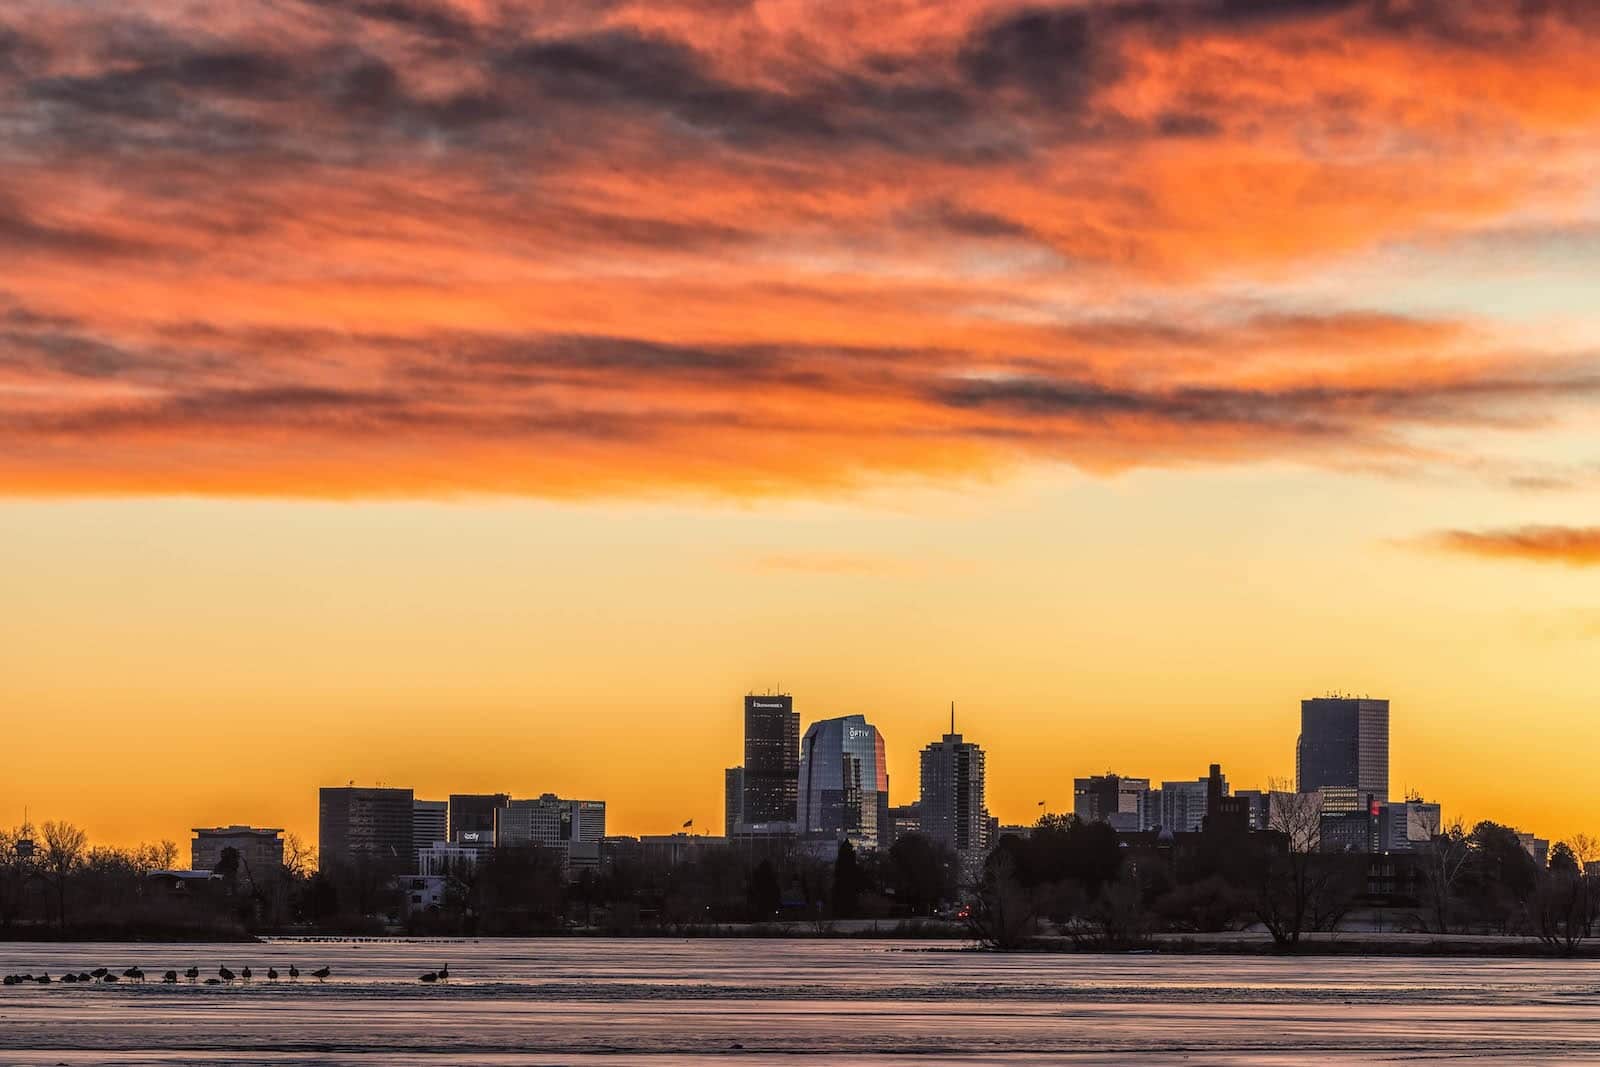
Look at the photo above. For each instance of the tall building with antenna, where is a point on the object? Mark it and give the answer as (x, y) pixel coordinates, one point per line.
(954, 809)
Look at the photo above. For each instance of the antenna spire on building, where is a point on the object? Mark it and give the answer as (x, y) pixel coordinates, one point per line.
(952, 717)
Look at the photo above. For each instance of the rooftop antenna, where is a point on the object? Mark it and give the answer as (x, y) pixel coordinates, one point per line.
(952, 718)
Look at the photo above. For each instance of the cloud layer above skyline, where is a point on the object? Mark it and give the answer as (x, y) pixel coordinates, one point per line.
(393, 247)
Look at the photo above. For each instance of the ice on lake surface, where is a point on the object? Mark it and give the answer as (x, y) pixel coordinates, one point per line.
(734, 1002)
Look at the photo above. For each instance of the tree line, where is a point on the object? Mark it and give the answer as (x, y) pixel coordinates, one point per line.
(1080, 881)
(1066, 880)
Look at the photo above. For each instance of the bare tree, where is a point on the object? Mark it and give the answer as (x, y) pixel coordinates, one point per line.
(1443, 860)
(1561, 909)
(1586, 850)
(1001, 913)
(64, 848)
(1297, 889)
(299, 858)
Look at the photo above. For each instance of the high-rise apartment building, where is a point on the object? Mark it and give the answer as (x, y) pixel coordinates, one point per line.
(844, 784)
(1122, 802)
(430, 822)
(952, 809)
(732, 799)
(357, 825)
(472, 817)
(771, 759)
(1344, 743)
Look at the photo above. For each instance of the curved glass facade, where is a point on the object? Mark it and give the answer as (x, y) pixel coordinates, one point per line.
(844, 783)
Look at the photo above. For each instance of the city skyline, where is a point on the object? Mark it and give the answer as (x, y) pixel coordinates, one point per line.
(418, 799)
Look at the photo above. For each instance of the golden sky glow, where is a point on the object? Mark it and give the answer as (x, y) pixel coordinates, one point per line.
(485, 395)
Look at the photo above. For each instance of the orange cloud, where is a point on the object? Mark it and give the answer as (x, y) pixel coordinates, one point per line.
(1575, 546)
(430, 247)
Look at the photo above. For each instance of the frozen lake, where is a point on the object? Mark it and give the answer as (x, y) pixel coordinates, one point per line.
(664, 1002)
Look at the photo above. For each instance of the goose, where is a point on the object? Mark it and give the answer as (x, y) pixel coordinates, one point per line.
(272, 974)
(170, 978)
(213, 981)
(192, 973)
(245, 974)
(69, 977)
(429, 977)
(227, 975)
(109, 976)
(294, 972)
(444, 973)
(84, 976)
(321, 973)
(99, 972)
(43, 979)
(134, 973)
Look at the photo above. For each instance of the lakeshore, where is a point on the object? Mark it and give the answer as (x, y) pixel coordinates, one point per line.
(1355, 942)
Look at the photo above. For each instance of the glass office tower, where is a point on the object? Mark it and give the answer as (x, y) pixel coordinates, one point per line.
(844, 784)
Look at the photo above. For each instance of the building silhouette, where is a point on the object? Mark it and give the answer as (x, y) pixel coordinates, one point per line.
(732, 799)
(1122, 802)
(1344, 744)
(1224, 814)
(571, 828)
(953, 810)
(1182, 805)
(260, 849)
(365, 826)
(771, 759)
(430, 822)
(472, 817)
(844, 784)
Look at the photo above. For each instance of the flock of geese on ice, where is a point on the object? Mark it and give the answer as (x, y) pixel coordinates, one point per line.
(224, 976)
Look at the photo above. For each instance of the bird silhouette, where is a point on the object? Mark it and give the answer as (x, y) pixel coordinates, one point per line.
(429, 977)
(227, 975)
(272, 974)
(192, 973)
(170, 977)
(83, 976)
(43, 979)
(213, 981)
(245, 974)
(294, 972)
(69, 977)
(98, 972)
(321, 973)
(444, 973)
(109, 976)
(134, 973)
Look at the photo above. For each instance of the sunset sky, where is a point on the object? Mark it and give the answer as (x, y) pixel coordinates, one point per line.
(485, 395)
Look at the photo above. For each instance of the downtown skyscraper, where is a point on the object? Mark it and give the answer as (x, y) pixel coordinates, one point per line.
(844, 784)
(1344, 745)
(771, 759)
(953, 809)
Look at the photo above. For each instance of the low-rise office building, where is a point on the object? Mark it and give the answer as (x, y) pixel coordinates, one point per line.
(260, 849)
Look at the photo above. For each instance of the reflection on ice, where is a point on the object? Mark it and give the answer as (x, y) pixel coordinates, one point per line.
(664, 1002)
